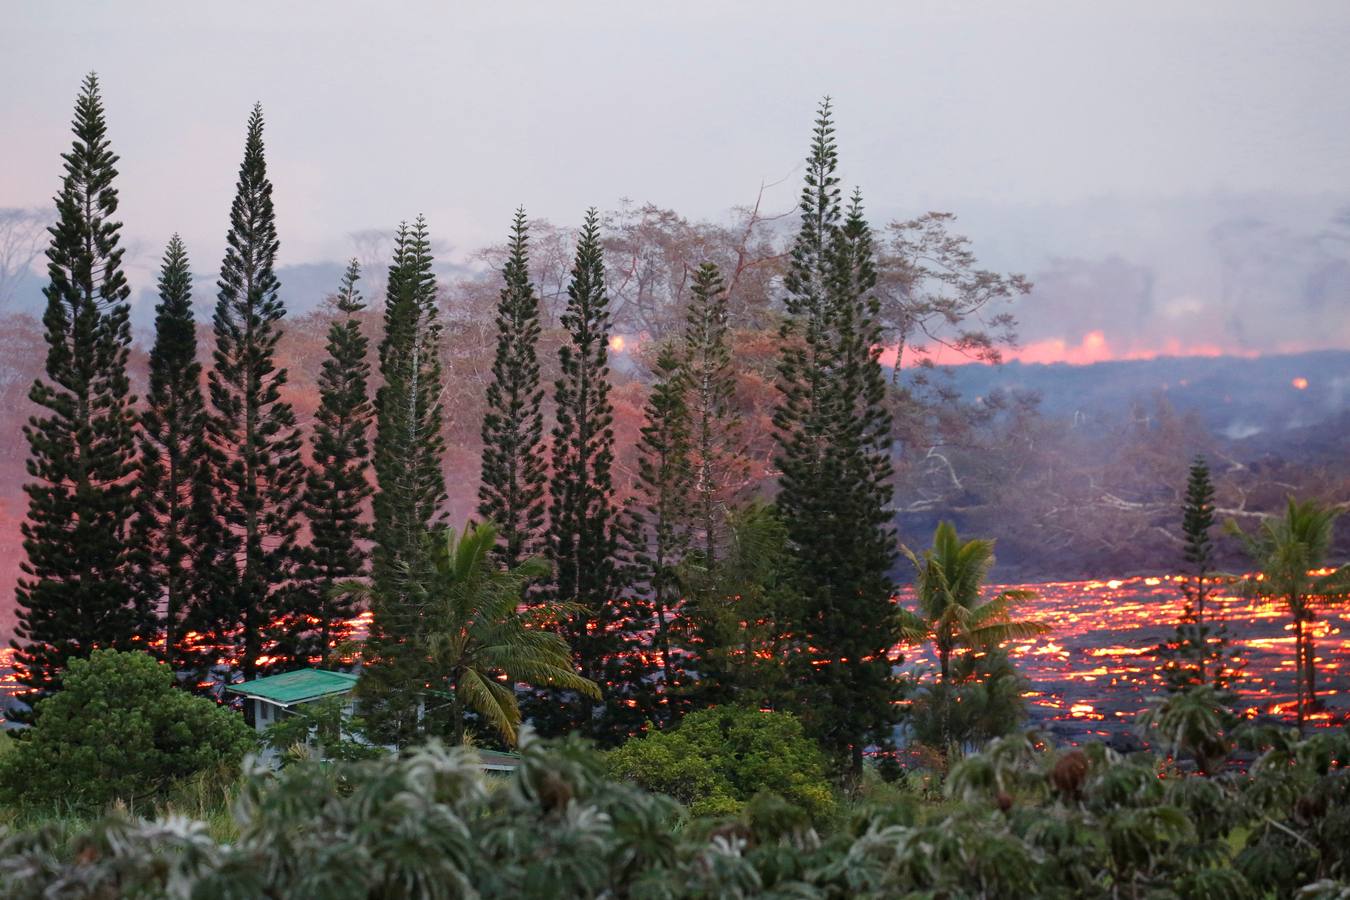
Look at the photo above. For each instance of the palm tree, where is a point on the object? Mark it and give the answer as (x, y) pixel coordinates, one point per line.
(1286, 552)
(1190, 723)
(952, 611)
(479, 640)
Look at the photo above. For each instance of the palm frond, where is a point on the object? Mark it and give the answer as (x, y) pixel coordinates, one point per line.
(540, 673)
(998, 632)
(476, 628)
(913, 628)
(493, 701)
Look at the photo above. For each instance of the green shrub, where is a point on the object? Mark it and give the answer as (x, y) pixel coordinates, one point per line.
(720, 758)
(1020, 821)
(118, 729)
(322, 729)
(981, 701)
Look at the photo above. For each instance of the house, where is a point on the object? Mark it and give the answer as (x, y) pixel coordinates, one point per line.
(278, 696)
(499, 761)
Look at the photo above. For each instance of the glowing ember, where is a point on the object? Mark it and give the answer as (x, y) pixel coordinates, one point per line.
(1300, 383)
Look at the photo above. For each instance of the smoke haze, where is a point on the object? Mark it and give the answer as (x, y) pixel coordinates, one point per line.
(1173, 179)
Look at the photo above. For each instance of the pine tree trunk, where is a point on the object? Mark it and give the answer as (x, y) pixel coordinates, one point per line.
(1200, 627)
(944, 662)
(1299, 671)
(663, 645)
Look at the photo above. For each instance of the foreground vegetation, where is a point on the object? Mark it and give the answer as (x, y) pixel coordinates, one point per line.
(1016, 819)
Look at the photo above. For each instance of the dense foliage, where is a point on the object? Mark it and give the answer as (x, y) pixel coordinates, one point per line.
(337, 485)
(719, 759)
(584, 527)
(662, 515)
(410, 485)
(476, 641)
(977, 694)
(119, 730)
(980, 699)
(717, 455)
(258, 471)
(1018, 820)
(735, 620)
(834, 454)
(175, 504)
(76, 592)
(511, 493)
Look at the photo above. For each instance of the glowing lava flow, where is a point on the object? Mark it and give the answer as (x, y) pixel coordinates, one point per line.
(1095, 670)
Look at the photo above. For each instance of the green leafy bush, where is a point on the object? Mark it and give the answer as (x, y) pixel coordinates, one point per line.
(720, 758)
(118, 729)
(321, 729)
(981, 700)
(1019, 820)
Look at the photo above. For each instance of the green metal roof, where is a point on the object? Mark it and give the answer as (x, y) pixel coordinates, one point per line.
(297, 686)
(499, 761)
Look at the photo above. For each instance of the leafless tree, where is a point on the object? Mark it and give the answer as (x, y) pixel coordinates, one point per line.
(933, 293)
(21, 239)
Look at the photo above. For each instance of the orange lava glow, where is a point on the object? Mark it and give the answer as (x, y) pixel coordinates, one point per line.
(1096, 663)
(353, 629)
(1094, 347)
(1094, 671)
(1300, 383)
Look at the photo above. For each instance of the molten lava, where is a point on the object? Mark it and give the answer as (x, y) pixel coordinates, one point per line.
(1094, 671)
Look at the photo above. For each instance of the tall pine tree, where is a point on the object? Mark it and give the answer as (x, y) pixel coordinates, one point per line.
(833, 437)
(410, 489)
(174, 498)
(511, 493)
(76, 592)
(1198, 652)
(337, 485)
(584, 529)
(1197, 521)
(711, 387)
(259, 475)
(662, 512)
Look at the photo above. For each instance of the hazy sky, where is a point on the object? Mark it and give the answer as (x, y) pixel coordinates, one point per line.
(379, 110)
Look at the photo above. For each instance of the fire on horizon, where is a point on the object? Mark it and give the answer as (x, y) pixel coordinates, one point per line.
(1094, 347)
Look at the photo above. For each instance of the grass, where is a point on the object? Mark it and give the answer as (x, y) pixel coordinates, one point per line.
(207, 797)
